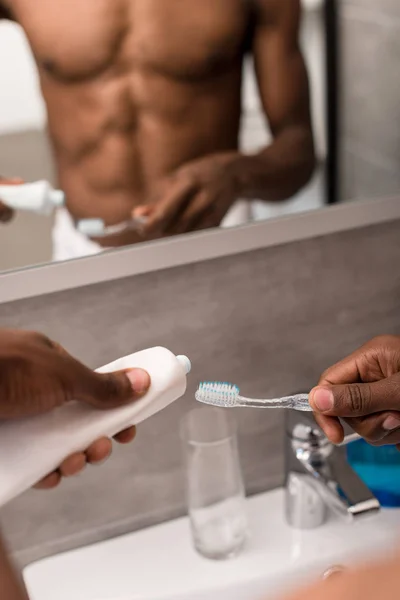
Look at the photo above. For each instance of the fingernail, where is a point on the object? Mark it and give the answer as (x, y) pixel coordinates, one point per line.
(139, 379)
(323, 399)
(391, 423)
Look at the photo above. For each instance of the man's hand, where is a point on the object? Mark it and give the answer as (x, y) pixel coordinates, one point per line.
(364, 390)
(37, 375)
(7, 213)
(196, 196)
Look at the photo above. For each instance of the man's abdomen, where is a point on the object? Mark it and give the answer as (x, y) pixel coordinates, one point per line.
(112, 151)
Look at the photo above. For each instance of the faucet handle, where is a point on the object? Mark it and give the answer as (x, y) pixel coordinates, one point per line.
(302, 427)
(313, 464)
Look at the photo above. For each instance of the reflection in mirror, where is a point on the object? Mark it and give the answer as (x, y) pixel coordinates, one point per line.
(158, 117)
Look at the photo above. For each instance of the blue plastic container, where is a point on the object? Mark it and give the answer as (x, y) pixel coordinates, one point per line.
(379, 468)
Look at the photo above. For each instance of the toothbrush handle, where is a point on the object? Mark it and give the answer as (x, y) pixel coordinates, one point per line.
(296, 402)
(31, 448)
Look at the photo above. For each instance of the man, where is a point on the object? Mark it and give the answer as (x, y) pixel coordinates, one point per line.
(144, 105)
(27, 360)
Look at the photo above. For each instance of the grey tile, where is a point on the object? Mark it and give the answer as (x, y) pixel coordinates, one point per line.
(27, 239)
(26, 154)
(371, 86)
(362, 177)
(378, 7)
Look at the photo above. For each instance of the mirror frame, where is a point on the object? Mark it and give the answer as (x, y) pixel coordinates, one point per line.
(193, 248)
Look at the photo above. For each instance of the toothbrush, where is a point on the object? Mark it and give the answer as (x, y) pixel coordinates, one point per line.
(97, 227)
(227, 395)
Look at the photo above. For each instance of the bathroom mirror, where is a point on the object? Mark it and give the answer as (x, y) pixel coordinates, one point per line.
(199, 117)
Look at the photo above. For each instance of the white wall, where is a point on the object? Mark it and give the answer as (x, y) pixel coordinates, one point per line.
(21, 104)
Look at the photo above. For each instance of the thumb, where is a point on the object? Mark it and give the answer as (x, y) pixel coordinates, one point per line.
(109, 390)
(357, 399)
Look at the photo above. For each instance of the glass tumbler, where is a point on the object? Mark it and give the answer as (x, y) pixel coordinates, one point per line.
(214, 482)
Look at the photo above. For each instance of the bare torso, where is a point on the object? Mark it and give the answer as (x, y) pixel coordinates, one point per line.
(134, 89)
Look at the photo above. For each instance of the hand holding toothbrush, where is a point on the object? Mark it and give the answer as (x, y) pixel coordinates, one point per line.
(196, 196)
(364, 390)
(37, 375)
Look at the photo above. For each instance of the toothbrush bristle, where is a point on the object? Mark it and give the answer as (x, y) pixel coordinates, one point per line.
(217, 393)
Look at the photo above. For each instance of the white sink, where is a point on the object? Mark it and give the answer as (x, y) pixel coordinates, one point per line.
(160, 563)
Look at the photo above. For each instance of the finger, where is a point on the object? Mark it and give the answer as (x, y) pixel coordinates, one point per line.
(375, 360)
(142, 211)
(10, 180)
(392, 439)
(332, 428)
(167, 210)
(109, 390)
(49, 482)
(200, 206)
(73, 465)
(209, 221)
(357, 399)
(99, 451)
(345, 371)
(376, 428)
(6, 213)
(56, 346)
(126, 436)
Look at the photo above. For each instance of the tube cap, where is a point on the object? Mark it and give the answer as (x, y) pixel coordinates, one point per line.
(57, 197)
(185, 362)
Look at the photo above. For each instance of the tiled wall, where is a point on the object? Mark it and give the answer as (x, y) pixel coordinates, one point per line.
(269, 320)
(27, 239)
(371, 97)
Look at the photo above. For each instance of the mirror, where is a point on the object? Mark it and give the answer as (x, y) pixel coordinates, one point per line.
(201, 115)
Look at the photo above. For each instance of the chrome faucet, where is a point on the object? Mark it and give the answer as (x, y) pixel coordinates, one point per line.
(319, 477)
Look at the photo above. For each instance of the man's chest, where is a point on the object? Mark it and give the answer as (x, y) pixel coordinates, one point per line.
(79, 39)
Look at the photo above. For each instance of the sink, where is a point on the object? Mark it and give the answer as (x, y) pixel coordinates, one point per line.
(159, 563)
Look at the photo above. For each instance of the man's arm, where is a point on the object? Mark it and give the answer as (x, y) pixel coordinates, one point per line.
(200, 193)
(281, 169)
(11, 587)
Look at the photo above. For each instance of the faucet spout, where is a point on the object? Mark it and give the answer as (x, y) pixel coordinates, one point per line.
(318, 475)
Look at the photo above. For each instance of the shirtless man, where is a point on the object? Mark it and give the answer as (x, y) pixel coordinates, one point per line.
(144, 105)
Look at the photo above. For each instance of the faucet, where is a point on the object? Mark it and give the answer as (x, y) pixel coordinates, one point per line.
(318, 476)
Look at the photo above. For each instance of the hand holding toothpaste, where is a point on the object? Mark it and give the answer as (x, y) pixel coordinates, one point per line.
(37, 375)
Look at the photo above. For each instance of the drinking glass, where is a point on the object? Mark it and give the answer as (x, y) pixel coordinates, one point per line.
(214, 482)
